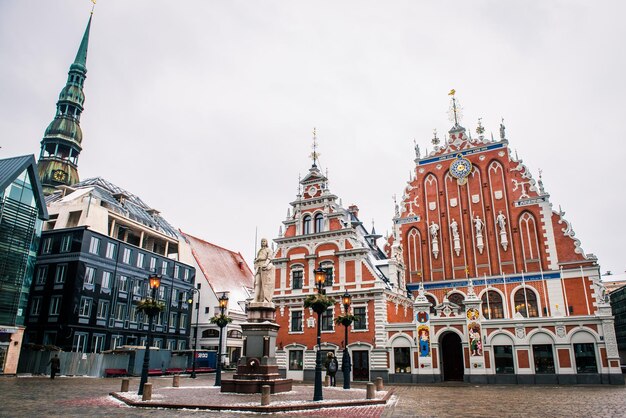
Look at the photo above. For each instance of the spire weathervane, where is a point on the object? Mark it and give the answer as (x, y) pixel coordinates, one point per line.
(314, 155)
(94, 5)
(455, 109)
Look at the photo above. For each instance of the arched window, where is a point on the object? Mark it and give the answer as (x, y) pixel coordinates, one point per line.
(526, 303)
(234, 333)
(492, 308)
(306, 225)
(210, 333)
(457, 299)
(319, 222)
(433, 303)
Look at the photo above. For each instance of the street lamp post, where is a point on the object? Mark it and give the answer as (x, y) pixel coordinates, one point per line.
(195, 333)
(223, 301)
(154, 281)
(345, 361)
(320, 278)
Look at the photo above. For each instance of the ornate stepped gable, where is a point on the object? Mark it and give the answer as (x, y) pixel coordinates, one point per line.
(473, 209)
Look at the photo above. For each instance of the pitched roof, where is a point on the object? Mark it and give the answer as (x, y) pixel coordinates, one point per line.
(11, 168)
(225, 270)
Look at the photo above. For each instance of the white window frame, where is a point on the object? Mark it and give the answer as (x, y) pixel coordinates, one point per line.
(291, 331)
(111, 248)
(60, 273)
(94, 245)
(84, 309)
(106, 279)
(90, 275)
(35, 306)
(127, 253)
(46, 246)
(102, 305)
(140, 259)
(122, 285)
(66, 243)
(42, 275)
(55, 306)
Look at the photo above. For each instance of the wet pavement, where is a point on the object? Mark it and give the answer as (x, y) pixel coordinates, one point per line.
(88, 397)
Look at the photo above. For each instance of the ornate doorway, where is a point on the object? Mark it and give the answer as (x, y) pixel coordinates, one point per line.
(451, 357)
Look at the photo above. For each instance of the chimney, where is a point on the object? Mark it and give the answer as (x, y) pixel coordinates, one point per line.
(354, 210)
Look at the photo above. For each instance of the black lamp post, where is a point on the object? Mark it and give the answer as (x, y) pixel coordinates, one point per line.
(195, 333)
(345, 361)
(223, 301)
(155, 281)
(320, 278)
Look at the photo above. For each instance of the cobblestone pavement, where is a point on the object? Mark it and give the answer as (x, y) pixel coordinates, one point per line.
(88, 397)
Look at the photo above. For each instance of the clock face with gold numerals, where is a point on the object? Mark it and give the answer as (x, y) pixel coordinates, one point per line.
(59, 175)
(460, 168)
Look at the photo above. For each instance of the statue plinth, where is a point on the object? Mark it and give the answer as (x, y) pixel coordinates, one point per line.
(257, 366)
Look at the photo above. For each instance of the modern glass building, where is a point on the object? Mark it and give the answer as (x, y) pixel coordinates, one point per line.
(22, 210)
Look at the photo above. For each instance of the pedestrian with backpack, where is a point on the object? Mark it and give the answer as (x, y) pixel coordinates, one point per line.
(332, 365)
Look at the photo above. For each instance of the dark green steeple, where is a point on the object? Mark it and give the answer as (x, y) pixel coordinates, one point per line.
(61, 144)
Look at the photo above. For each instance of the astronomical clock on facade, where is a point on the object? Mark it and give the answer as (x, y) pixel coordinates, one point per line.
(481, 279)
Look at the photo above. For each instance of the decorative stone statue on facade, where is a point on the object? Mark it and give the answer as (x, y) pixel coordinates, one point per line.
(501, 221)
(263, 274)
(434, 235)
(478, 226)
(456, 240)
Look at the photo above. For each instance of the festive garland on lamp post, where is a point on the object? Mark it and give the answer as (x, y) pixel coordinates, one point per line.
(318, 302)
(150, 307)
(221, 320)
(346, 320)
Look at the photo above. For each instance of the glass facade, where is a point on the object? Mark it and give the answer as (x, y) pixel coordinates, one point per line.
(20, 229)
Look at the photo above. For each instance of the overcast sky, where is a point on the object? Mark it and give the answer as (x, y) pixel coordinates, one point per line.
(205, 108)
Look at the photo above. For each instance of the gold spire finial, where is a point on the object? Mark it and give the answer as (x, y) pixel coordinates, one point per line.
(94, 5)
(314, 155)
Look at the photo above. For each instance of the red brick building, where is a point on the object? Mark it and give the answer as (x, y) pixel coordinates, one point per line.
(481, 280)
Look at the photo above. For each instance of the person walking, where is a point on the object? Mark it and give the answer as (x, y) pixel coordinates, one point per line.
(55, 365)
(332, 365)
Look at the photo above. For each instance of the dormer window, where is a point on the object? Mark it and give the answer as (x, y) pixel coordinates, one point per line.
(306, 225)
(319, 222)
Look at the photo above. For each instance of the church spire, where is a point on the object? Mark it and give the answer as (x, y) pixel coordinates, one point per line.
(61, 144)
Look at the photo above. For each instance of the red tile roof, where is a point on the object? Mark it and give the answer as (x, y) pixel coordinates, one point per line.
(225, 270)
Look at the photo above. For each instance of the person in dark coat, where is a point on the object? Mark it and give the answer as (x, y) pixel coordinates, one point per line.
(332, 365)
(55, 365)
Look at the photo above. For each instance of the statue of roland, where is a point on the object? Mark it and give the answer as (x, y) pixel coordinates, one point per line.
(263, 274)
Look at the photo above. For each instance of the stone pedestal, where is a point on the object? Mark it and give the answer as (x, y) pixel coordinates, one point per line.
(257, 366)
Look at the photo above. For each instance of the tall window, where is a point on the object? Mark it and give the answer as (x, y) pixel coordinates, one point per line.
(110, 250)
(126, 255)
(46, 246)
(492, 307)
(137, 287)
(153, 264)
(80, 342)
(296, 279)
(122, 284)
(103, 309)
(35, 306)
(94, 245)
(116, 341)
(59, 276)
(296, 321)
(90, 275)
(361, 319)
(306, 225)
(328, 268)
(164, 266)
(42, 274)
(327, 319)
(84, 308)
(402, 359)
(55, 306)
(295, 359)
(504, 359)
(544, 359)
(106, 279)
(319, 222)
(140, 258)
(585, 355)
(97, 343)
(526, 303)
(66, 243)
(120, 311)
(186, 277)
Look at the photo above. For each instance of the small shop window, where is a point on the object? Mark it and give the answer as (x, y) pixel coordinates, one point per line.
(402, 359)
(585, 355)
(544, 359)
(295, 359)
(504, 359)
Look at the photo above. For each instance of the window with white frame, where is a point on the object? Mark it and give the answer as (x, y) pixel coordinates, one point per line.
(137, 287)
(186, 275)
(140, 258)
(296, 359)
(120, 312)
(319, 222)
(90, 275)
(103, 309)
(80, 342)
(106, 279)
(153, 261)
(296, 320)
(66, 243)
(55, 306)
(183, 320)
(122, 284)
(297, 277)
(164, 267)
(110, 250)
(126, 255)
(59, 277)
(116, 341)
(171, 345)
(327, 319)
(42, 274)
(84, 308)
(173, 319)
(176, 271)
(360, 315)
(94, 245)
(97, 343)
(162, 292)
(133, 314)
(46, 246)
(35, 306)
(328, 268)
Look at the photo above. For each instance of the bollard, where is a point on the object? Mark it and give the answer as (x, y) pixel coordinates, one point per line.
(379, 384)
(176, 381)
(327, 381)
(371, 390)
(125, 383)
(265, 395)
(147, 392)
